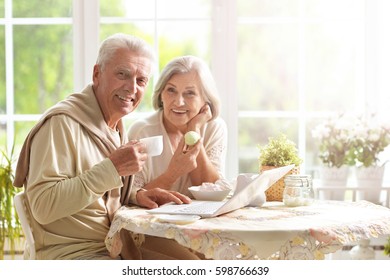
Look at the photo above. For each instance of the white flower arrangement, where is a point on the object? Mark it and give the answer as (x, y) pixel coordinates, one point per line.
(370, 138)
(351, 140)
(335, 141)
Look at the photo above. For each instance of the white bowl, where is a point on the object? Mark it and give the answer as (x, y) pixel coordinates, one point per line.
(209, 195)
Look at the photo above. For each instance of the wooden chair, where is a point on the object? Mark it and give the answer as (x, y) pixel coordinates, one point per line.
(20, 206)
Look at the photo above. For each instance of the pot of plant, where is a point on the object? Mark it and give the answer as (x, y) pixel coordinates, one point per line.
(10, 228)
(278, 152)
(387, 248)
(370, 139)
(334, 152)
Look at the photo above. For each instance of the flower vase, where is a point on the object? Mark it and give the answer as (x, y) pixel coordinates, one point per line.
(334, 179)
(369, 180)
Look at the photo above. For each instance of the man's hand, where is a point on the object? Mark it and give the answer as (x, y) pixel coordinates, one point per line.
(129, 158)
(155, 197)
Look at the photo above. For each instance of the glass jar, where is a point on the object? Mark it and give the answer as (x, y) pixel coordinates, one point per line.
(298, 190)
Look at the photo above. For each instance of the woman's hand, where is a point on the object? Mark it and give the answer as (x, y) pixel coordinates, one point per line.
(155, 197)
(184, 159)
(200, 119)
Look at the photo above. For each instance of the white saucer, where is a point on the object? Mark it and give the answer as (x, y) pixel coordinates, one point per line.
(178, 219)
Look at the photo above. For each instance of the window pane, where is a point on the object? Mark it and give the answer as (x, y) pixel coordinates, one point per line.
(2, 71)
(312, 160)
(334, 8)
(42, 8)
(267, 8)
(268, 67)
(3, 136)
(133, 9)
(142, 29)
(383, 61)
(183, 9)
(43, 66)
(253, 132)
(1, 8)
(140, 9)
(175, 40)
(134, 116)
(21, 131)
(334, 60)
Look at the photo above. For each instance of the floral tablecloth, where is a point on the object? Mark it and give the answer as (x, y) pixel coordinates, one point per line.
(273, 231)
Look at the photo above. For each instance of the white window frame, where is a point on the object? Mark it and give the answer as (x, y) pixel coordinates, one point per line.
(223, 64)
(85, 41)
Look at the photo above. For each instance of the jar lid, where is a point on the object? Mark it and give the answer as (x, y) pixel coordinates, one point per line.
(304, 180)
(298, 177)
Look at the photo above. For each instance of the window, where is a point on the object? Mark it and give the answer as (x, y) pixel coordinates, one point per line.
(36, 47)
(296, 62)
(172, 33)
(281, 66)
(301, 61)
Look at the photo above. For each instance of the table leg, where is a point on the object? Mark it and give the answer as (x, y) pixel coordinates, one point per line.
(362, 251)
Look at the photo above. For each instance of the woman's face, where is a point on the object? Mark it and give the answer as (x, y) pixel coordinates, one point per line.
(182, 99)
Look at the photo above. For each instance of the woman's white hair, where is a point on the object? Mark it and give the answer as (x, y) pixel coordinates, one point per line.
(124, 41)
(185, 64)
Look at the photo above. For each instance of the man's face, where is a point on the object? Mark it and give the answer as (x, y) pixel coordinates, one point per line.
(120, 86)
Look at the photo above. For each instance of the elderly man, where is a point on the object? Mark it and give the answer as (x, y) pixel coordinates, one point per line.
(76, 164)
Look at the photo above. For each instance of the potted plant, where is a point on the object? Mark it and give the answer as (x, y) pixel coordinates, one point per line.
(387, 247)
(334, 137)
(10, 228)
(279, 151)
(370, 138)
(335, 142)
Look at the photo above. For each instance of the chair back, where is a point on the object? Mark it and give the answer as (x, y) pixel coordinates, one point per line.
(21, 209)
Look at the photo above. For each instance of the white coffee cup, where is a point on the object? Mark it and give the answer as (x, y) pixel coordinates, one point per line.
(154, 145)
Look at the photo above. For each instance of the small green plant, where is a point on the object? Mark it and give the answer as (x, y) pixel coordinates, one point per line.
(370, 138)
(279, 151)
(10, 227)
(387, 247)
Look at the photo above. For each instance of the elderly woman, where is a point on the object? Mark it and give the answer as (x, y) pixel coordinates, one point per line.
(185, 99)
